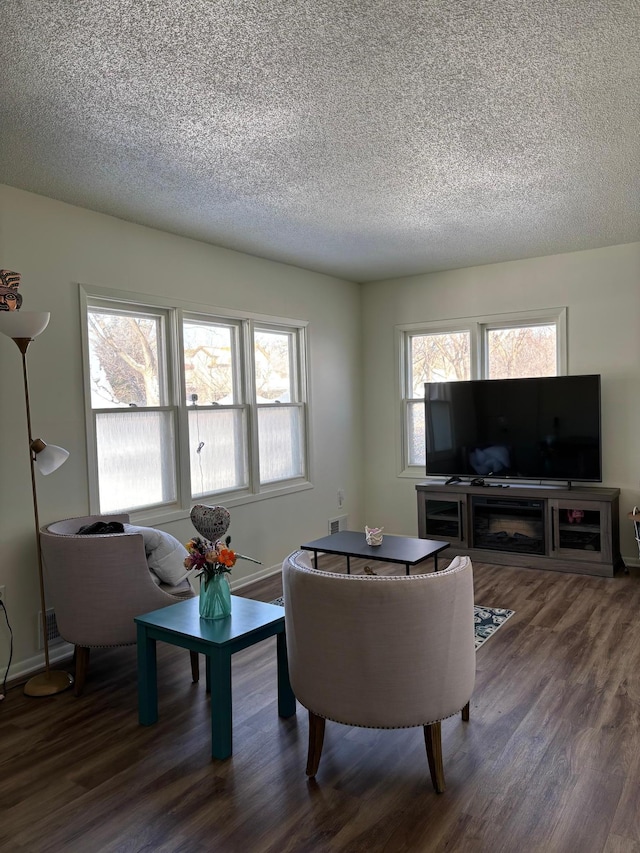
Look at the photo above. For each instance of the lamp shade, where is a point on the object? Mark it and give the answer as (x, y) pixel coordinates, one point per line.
(48, 457)
(23, 324)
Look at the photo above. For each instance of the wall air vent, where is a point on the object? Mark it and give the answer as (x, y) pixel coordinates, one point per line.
(337, 524)
(53, 635)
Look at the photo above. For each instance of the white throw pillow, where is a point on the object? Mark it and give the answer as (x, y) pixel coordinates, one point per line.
(165, 554)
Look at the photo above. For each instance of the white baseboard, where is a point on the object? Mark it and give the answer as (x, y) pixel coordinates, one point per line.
(26, 668)
(256, 576)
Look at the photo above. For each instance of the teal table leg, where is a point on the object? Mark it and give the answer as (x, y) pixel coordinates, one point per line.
(221, 722)
(286, 698)
(147, 679)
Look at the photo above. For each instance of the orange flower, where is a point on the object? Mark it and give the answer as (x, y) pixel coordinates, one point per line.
(227, 557)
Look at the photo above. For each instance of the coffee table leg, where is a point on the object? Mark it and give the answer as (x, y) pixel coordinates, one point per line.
(219, 664)
(147, 679)
(286, 698)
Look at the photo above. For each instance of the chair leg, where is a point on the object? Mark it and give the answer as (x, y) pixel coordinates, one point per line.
(81, 655)
(316, 739)
(465, 712)
(433, 742)
(195, 667)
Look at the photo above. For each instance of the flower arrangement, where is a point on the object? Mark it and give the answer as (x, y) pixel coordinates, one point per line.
(211, 558)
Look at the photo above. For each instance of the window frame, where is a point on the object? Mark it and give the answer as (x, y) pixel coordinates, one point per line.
(477, 327)
(240, 404)
(298, 392)
(176, 313)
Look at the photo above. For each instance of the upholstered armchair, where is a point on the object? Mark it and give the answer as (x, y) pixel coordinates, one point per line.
(99, 583)
(380, 651)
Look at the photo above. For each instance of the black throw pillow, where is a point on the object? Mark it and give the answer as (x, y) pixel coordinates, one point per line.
(101, 527)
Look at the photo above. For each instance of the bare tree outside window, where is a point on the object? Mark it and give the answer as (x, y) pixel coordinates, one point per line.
(123, 360)
(439, 358)
(517, 353)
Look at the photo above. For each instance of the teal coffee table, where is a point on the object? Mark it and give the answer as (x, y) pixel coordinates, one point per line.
(180, 624)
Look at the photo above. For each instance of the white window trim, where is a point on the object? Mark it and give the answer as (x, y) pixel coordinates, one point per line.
(176, 311)
(476, 326)
(299, 388)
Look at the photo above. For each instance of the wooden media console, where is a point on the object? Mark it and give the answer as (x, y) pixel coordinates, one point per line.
(561, 528)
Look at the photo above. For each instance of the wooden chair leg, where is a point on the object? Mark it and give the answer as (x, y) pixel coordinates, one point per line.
(465, 712)
(195, 667)
(433, 742)
(81, 656)
(316, 739)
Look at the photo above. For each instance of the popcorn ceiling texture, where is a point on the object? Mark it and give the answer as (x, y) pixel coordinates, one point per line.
(366, 139)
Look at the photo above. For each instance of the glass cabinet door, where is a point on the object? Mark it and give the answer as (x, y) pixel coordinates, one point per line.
(580, 529)
(444, 519)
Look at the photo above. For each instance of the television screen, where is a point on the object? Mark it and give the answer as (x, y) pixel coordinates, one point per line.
(532, 429)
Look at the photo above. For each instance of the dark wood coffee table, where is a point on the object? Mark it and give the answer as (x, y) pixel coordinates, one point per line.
(394, 549)
(180, 624)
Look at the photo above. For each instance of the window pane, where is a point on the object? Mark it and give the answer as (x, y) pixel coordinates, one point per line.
(280, 439)
(416, 437)
(438, 358)
(521, 352)
(274, 381)
(217, 450)
(136, 459)
(209, 363)
(124, 359)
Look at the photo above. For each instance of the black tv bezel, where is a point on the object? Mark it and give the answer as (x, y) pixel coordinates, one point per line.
(460, 476)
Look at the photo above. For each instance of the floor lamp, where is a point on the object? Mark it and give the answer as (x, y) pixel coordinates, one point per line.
(22, 327)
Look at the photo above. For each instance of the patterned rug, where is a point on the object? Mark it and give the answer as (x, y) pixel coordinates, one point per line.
(487, 620)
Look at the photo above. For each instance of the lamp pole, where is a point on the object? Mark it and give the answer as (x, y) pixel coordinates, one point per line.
(50, 681)
(46, 678)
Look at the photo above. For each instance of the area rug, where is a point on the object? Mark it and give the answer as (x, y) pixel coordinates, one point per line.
(486, 620)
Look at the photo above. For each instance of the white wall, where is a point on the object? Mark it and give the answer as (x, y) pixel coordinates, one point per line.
(601, 289)
(56, 246)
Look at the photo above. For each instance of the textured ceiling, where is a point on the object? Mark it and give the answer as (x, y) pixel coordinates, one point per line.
(365, 138)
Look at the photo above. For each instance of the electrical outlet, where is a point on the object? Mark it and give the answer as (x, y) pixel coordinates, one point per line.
(2, 594)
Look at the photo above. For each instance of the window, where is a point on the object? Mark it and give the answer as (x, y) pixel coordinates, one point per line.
(433, 357)
(280, 411)
(218, 447)
(501, 347)
(515, 352)
(134, 427)
(185, 405)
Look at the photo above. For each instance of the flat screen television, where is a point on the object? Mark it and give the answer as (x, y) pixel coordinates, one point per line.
(530, 429)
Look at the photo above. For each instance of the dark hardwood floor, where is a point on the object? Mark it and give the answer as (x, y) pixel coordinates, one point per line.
(549, 761)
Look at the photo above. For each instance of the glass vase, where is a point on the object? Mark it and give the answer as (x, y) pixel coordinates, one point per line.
(215, 597)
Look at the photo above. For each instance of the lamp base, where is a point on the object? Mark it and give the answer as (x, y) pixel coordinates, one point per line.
(48, 683)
